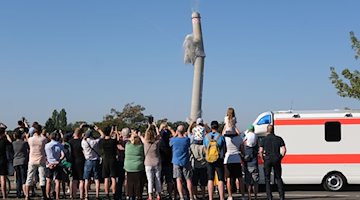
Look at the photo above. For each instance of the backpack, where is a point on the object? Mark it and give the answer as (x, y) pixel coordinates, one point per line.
(212, 150)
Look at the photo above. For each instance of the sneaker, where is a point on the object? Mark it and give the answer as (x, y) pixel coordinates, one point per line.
(229, 198)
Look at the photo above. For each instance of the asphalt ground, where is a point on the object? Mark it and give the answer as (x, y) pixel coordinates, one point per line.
(295, 192)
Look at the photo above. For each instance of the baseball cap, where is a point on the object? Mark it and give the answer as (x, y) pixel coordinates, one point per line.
(199, 121)
(251, 128)
(88, 133)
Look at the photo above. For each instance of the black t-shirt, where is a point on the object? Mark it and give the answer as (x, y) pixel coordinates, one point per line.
(271, 144)
(77, 154)
(165, 149)
(3, 146)
(109, 147)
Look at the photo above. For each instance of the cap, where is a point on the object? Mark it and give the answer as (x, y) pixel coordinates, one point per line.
(199, 121)
(251, 128)
(88, 133)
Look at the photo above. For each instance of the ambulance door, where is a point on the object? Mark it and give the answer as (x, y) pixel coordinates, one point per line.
(262, 122)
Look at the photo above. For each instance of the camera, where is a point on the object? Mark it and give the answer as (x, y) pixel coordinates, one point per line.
(88, 126)
(150, 119)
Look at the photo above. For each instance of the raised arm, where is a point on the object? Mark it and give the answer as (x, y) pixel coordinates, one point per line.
(99, 131)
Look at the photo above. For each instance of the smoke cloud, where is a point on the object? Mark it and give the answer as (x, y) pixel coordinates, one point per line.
(192, 49)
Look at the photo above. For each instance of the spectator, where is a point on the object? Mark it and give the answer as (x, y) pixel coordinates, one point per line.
(270, 152)
(54, 154)
(180, 159)
(22, 127)
(31, 129)
(230, 122)
(109, 170)
(232, 161)
(152, 163)
(5, 141)
(78, 161)
(123, 138)
(90, 147)
(251, 162)
(37, 160)
(218, 165)
(198, 161)
(21, 159)
(166, 157)
(134, 167)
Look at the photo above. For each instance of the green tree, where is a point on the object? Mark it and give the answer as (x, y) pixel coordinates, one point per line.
(54, 118)
(131, 116)
(62, 120)
(350, 85)
(50, 125)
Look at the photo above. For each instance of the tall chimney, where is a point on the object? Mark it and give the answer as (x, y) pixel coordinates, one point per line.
(198, 69)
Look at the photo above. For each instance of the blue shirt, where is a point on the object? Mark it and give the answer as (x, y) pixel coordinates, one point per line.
(220, 141)
(180, 150)
(53, 151)
(214, 135)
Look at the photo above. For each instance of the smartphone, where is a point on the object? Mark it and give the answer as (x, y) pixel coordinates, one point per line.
(151, 119)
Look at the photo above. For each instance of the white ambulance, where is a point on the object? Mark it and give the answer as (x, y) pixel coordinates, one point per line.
(323, 147)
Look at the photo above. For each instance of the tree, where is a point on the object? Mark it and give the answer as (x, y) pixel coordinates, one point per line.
(50, 125)
(131, 116)
(58, 121)
(350, 87)
(62, 120)
(54, 118)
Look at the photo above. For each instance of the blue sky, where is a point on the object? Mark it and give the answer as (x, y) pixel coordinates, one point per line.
(91, 56)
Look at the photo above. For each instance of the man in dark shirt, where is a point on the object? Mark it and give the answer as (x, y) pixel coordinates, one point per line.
(78, 161)
(109, 165)
(272, 150)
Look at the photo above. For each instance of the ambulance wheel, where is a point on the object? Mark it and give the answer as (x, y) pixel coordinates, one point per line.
(334, 182)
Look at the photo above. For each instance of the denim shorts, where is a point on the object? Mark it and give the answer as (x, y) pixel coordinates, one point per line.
(92, 169)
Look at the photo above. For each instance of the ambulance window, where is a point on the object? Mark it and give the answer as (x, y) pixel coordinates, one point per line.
(332, 131)
(264, 120)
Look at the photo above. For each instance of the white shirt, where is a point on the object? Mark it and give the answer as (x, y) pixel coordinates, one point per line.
(250, 139)
(233, 144)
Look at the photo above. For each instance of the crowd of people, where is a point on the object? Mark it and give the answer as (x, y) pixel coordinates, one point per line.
(127, 160)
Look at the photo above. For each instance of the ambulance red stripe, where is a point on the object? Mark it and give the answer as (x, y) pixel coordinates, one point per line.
(321, 159)
(282, 122)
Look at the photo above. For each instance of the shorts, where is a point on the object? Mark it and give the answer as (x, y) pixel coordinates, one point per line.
(78, 171)
(55, 172)
(182, 171)
(109, 168)
(217, 166)
(233, 170)
(167, 173)
(92, 169)
(251, 175)
(199, 175)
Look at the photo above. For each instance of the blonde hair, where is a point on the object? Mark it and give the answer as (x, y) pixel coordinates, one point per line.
(135, 139)
(231, 116)
(150, 134)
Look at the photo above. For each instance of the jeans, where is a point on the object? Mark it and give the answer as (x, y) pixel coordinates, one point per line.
(268, 165)
(21, 172)
(92, 167)
(153, 173)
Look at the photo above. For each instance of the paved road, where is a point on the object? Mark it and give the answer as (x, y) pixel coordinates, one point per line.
(294, 192)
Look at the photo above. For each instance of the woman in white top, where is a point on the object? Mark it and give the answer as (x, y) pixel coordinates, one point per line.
(232, 160)
(230, 122)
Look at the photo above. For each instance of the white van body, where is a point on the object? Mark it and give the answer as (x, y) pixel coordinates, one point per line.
(322, 146)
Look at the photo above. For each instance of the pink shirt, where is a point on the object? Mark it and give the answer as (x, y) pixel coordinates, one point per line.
(37, 149)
